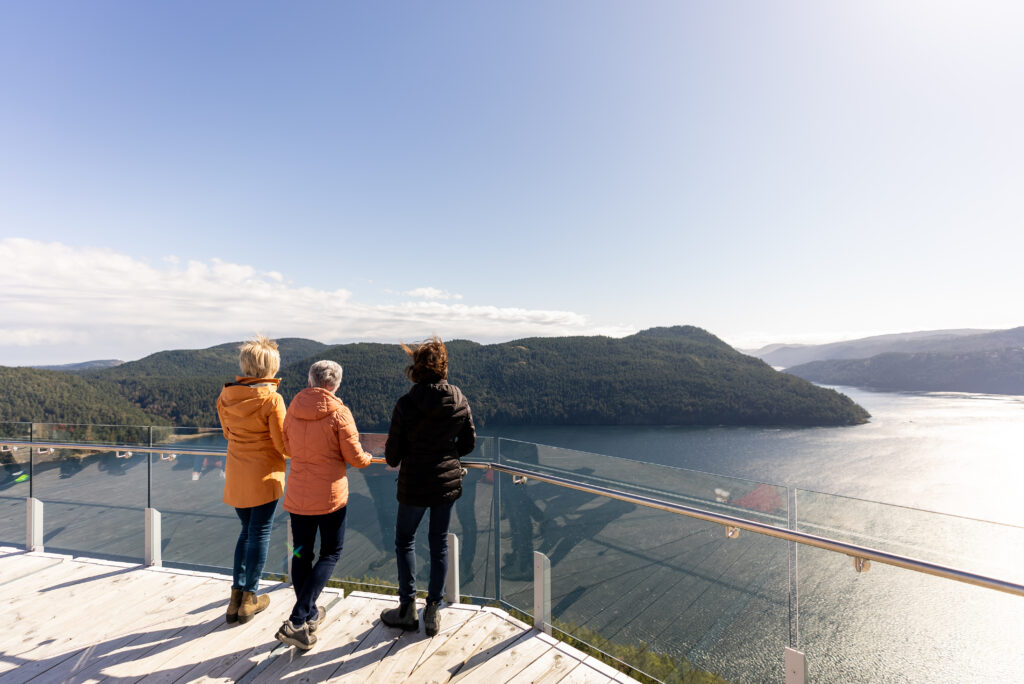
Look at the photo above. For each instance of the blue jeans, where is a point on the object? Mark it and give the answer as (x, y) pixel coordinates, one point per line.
(309, 580)
(251, 548)
(409, 518)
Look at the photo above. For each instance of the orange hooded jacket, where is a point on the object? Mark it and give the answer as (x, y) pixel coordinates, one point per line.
(251, 416)
(320, 436)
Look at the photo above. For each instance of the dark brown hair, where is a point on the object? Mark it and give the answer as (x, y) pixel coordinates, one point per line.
(429, 360)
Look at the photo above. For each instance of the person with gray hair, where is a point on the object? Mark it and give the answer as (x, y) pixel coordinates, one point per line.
(325, 374)
(320, 436)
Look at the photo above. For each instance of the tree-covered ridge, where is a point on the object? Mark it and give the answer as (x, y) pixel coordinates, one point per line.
(663, 376)
(997, 371)
(43, 396)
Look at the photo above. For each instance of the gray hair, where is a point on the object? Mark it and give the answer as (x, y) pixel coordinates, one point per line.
(326, 374)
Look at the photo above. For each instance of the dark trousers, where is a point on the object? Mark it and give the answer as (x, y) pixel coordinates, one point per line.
(251, 547)
(409, 518)
(309, 580)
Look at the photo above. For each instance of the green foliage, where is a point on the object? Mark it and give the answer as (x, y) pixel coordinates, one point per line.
(44, 396)
(662, 376)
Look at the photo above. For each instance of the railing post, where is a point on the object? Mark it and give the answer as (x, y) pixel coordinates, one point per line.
(153, 537)
(496, 516)
(149, 471)
(33, 524)
(31, 462)
(451, 581)
(796, 667)
(794, 569)
(541, 592)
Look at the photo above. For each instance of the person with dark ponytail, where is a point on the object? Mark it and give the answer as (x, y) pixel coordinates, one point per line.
(431, 429)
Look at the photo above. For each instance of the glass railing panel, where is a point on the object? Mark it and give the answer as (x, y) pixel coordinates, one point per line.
(130, 435)
(894, 625)
(967, 544)
(369, 555)
(93, 500)
(732, 496)
(659, 591)
(198, 528)
(14, 489)
(14, 484)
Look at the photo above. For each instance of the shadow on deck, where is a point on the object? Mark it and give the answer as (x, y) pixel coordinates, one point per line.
(80, 620)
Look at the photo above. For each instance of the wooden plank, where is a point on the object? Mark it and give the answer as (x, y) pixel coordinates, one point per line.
(555, 665)
(55, 614)
(24, 588)
(481, 631)
(504, 659)
(217, 649)
(410, 647)
(357, 667)
(171, 603)
(24, 566)
(346, 626)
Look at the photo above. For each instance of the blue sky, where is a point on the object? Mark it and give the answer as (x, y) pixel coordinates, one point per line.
(184, 174)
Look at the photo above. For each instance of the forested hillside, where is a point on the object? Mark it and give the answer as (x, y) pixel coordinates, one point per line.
(32, 395)
(182, 385)
(999, 371)
(670, 376)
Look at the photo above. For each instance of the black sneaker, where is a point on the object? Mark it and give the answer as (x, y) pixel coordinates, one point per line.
(432, 618)
(315, 623)
(299, 637)
(403, 617)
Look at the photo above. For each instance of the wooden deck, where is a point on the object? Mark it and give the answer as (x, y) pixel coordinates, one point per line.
(85, 620)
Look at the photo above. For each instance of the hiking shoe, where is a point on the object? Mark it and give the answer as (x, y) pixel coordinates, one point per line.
(403, 617)
(251, 604)
(432, 618)
(231, 616)
(315, 623)
(299, 637)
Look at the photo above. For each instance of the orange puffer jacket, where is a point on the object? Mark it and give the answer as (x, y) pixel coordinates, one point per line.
(321, 437)
(251, 416)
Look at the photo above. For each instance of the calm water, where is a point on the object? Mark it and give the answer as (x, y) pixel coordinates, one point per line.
(940, 464)
(961, 454)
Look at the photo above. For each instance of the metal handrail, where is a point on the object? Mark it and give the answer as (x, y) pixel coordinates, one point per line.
(854, 550)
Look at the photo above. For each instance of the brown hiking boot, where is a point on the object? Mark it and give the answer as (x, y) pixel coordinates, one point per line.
(233, 604)
(251, 604)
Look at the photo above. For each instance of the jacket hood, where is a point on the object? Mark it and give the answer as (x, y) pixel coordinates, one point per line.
(246, 396)
(314, 403)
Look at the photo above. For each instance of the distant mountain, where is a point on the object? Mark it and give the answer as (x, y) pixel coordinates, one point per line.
(925, 341)
(85, 365)
(663, 376)
(996, 371)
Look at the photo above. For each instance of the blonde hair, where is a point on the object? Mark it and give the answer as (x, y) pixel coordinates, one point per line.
(259, 358)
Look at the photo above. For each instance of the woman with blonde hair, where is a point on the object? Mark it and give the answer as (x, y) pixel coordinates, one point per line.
(252, 416)
(431, 428)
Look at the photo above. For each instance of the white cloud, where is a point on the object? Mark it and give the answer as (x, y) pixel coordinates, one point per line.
(431, 293)
(60, 303)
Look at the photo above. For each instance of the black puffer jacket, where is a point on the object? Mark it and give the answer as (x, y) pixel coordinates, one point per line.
(431, 427)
